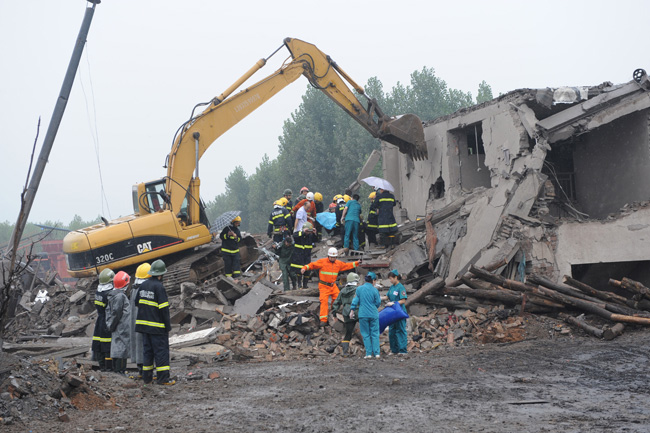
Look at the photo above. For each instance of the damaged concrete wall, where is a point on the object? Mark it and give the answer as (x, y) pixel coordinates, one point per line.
(500, 189)
(611, 165)
(622, 240)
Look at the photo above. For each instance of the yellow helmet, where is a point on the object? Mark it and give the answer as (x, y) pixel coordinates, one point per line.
(336, 197)
(318, 196)
(347, 198)
(237, 218)
(143, 271)
(281, 202)
(372, 195)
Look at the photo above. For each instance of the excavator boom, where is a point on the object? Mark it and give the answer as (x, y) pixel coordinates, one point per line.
(168, 216)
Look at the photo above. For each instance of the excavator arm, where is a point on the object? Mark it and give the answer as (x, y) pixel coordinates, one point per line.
(225, 111)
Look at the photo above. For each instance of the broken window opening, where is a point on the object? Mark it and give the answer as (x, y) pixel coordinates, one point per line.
(471, 157)
(559, 168)
(597, 275)
(438, 188)
(475, 140)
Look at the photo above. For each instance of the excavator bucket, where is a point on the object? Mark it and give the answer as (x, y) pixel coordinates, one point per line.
(406, 132)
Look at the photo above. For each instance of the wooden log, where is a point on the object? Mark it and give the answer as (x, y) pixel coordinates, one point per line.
(611, 332)
(500, 280)
(630, 319)
(567, 290)
(636, 286)
(490, 268)
(499, 294)
(429, 288)
(592, 330)
(600, 294)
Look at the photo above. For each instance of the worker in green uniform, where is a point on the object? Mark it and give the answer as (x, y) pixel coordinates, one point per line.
(397, 331)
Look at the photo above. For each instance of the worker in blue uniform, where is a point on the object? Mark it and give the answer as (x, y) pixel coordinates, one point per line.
(397, 331)
(366, 301)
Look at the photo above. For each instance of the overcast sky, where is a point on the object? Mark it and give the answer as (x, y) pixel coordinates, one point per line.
(147, 63)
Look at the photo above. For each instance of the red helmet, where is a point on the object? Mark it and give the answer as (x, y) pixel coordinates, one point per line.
(332, 205)
(304, 189)
(121, 280)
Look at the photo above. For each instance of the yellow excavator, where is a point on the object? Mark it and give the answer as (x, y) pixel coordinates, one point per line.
(169, 218)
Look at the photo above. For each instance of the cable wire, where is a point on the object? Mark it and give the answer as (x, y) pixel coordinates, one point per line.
(92, 124)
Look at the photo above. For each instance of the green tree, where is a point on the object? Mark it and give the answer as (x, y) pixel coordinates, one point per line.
(484, 93)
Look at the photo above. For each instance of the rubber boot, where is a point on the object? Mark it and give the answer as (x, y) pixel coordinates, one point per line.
(99, 357)
(346, 348)
(108, 363)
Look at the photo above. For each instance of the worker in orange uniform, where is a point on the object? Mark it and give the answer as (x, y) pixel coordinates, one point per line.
(329, 269)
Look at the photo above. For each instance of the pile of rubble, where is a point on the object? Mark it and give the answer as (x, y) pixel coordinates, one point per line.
(254, 319)
(46, 388)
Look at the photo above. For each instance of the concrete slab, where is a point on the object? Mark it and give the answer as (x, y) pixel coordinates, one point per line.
(193, 338)
(248, 304)
(408, 256)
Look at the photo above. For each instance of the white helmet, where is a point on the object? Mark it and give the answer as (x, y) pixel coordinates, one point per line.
(332, 252)
(310, 196)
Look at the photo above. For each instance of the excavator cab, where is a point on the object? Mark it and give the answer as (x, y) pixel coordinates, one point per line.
(149, 197)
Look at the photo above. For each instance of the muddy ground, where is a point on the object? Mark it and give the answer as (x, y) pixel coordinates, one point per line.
(568, 383)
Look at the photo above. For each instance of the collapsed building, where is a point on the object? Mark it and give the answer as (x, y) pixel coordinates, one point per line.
(554, 181)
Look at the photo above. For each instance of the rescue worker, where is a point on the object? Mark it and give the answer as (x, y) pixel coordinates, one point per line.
(303, 244)
(303, 193)
(285, 250)
(118, 321)
(154, 324)
(350, 218)
(318, 202)
(230, 238)
(344, 301)
(278, 220)
(339, 217)
(101, 345)
(371, 226)
(386, 224)
(397, 331)
(329, 268)
(289, 206)
(302, 216)
(141, 275)
(367, 301)
(312, 210)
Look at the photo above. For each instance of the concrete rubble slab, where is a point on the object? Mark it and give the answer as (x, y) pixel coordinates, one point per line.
(248, 304)
(193, 338)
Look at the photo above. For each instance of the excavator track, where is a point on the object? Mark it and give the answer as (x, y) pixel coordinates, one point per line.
(205, 263)
(181, 270)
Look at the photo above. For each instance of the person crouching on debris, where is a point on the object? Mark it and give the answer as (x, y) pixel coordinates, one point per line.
(397, 331)
(154, 323)
(118, 321)
(137, 356)
(230, 238)
(101, 345)
(329, 268)
(284, 250)
(367, 301)
(344, 301)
